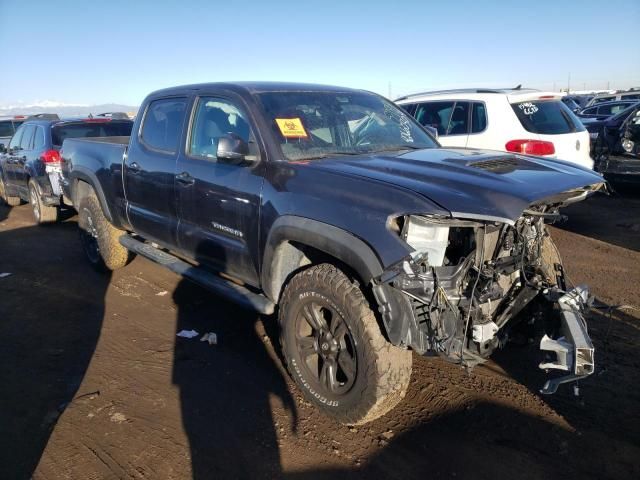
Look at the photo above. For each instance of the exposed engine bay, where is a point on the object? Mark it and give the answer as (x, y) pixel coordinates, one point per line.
(471, 286)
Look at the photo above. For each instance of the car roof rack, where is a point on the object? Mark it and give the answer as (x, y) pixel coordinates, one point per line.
(468, 90)
(43, 116)
(114, 115)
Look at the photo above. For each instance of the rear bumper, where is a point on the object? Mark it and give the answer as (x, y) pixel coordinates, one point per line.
(49, 194)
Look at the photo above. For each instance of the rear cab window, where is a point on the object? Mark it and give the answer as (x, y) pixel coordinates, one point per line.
(547, 117)
(87, 129)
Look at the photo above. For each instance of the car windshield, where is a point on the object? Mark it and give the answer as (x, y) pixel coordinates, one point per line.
(96, 128)
(320, 124)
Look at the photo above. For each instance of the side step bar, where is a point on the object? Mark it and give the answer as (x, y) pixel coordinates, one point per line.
(204, 278)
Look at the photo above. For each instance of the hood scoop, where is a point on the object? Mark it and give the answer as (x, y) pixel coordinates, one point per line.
(497, 165)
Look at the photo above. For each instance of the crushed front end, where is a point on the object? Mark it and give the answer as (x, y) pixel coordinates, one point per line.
(472, 285)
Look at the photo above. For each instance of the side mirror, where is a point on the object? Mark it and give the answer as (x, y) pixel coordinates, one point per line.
(233, 148)
(3, 149)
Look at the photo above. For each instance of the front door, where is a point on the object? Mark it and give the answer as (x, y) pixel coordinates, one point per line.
(10, 160)
(20, 173)
(150, 168)
(219, 200)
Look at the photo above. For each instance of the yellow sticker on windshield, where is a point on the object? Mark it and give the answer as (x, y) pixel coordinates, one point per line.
(291, 127)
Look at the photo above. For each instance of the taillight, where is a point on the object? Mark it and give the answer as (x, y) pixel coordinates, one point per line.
(96, 120)
(530, 147)
(50, 156)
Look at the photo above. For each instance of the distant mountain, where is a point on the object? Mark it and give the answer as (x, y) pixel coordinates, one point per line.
(64, 110)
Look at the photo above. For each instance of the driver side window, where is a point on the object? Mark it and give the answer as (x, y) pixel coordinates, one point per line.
(213, 119)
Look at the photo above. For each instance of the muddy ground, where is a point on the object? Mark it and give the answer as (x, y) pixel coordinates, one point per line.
(94, 383)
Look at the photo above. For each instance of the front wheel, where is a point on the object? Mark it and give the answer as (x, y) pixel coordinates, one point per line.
(100, 239)
(335, 350)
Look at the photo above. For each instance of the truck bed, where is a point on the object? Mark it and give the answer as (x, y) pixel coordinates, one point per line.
(97, 161)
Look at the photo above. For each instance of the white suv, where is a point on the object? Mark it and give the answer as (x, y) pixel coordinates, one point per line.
(514, 120)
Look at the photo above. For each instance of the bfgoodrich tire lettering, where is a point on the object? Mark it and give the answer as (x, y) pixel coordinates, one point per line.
(335, 350)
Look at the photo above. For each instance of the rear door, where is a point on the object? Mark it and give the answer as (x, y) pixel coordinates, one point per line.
(10, 159)
(150, 169)
(219, 201)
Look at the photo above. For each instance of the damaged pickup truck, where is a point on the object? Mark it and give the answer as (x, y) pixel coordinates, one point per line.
(334, 209)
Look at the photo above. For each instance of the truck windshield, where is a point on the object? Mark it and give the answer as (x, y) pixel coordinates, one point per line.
(90, 129)
(320, 124)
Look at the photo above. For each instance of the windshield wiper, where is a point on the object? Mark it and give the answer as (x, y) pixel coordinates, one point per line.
(398, 148)
(331, 154)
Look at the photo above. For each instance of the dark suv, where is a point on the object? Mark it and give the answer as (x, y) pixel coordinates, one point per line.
(30, 164)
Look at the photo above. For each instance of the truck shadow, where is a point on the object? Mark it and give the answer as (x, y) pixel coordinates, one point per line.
(228, 392)
(45, 346)
(483, 441)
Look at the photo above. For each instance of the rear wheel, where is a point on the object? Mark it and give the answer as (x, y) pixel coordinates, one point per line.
(8, 200)
(100, 239)
(41, 213)
(335, 350)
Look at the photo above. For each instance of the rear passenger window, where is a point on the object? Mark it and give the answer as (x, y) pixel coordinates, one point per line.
(435, 114)
(478, 118)
(162, 124)
(38, 140)
(25, 142)
(459, 123)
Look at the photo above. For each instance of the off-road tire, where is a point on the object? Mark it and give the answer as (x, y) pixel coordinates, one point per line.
(383, 370)
(41, 213)
(7, 200)
(110, 254)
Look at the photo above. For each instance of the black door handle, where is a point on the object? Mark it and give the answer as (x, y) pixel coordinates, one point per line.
(185, 179)
(134, 167)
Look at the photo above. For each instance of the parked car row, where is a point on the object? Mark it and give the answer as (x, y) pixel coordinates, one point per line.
(30, 161)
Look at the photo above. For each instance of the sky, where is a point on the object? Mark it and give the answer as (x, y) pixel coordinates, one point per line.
(93, 52)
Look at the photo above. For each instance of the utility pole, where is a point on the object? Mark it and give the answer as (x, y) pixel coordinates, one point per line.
(569, 83)
(389, 97)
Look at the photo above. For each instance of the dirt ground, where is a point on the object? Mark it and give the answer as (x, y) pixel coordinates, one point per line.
(94, 383)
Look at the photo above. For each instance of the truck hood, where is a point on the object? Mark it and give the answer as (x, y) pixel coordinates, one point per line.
(470, 183)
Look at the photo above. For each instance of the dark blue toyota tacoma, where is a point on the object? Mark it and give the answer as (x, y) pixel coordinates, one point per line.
(334, 209)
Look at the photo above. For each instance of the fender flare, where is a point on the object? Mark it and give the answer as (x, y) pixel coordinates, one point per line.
(81, 174)
(326, 238)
